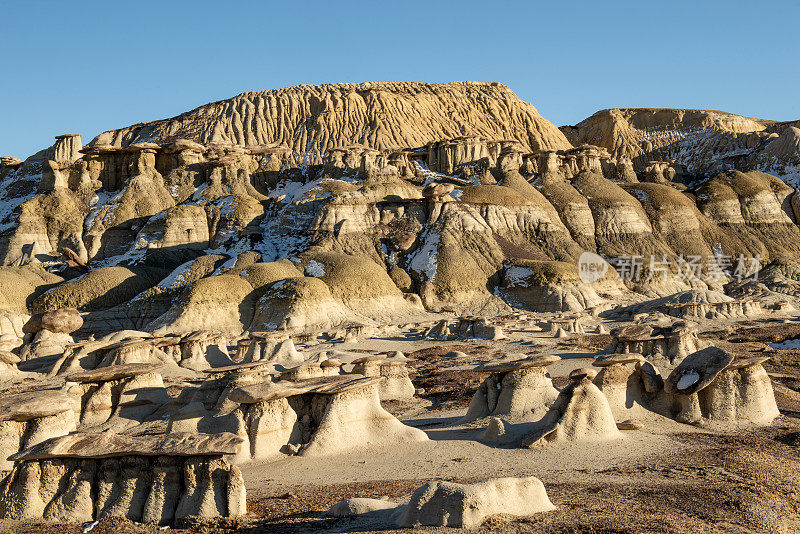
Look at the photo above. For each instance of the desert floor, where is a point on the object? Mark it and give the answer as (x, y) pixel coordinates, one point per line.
(668, 477)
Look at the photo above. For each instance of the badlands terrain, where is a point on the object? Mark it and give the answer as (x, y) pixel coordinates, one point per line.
(381, 306)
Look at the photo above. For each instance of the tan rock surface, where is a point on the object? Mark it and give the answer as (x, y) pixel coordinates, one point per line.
(344, 114)
(36, 404)
(113, 372)
(64, 320)
(443, 503)
(697, 138)
(109, 445)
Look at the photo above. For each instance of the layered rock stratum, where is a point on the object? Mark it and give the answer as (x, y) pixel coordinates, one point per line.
(311, 119)
(311, 208)
(700, 140)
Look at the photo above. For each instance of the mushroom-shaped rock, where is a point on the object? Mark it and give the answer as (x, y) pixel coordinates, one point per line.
(697, 371)
(303, 372)
(203, 349)
(741, 393)
(666, 346)
(350, 415)
(712, 387)
(331, 367)
(135, 351)
(61, 321)
(437, 191)
(482, 329)
(325, 415)
(519, 388)
(113, 372)
(581, 412)
(42, 352)
(278, 349)
(368, 365)
(442, 503)
(570, 324)
(169, 479)
(118, 396)
(576, 375)
(396, 384)
(32, 417)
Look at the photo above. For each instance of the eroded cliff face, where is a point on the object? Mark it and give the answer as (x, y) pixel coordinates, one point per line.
(311, 119)
(266, 215)
(699, 141)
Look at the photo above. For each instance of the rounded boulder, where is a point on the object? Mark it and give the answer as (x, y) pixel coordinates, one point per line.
(61, 321)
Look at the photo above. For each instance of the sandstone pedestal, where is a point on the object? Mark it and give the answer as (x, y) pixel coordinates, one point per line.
(520, 389)
(169, 479)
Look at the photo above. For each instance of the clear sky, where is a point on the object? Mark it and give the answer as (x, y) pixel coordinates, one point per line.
(85, 67)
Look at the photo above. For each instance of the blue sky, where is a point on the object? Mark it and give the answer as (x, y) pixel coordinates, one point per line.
(85, 67)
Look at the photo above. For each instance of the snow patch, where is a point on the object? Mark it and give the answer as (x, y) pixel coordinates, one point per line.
(423, 260)
(688, 379)
(788, 344)
(315, 269)
(516, 276)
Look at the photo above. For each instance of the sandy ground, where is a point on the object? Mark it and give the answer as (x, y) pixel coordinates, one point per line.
(668, 477)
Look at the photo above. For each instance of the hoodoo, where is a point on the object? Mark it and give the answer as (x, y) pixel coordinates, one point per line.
(333, 292)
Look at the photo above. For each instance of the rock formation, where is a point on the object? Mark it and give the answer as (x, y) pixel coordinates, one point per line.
(233, 284)
(448, 504)
(318, 417)
(396, 384)
(62, 321)
(580, 412)
(443, 503)
(173, 479)
(713, 387)
(700, 140)
(117, 396)
(625, 388)
(521, 389)
(27, 419)
(418, 113)
(425, 219)
(696, 305)
(547, 286)
(664, 346)
(465, 328)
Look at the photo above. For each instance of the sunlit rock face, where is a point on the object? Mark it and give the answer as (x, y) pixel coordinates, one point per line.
(695, 140)
(430, 196)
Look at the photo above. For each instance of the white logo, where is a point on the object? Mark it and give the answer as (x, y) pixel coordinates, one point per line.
(591, 267)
